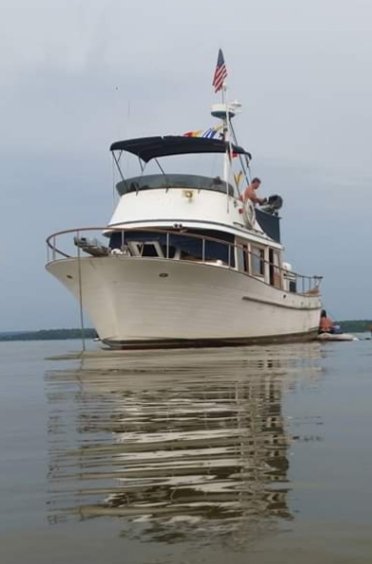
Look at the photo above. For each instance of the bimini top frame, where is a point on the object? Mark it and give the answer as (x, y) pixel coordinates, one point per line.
(147, 148)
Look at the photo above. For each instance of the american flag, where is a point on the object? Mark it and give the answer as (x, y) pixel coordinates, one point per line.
(220, 73)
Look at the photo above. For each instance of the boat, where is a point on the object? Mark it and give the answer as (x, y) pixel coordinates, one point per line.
(325, 337)
(184, 261)
(336, 334)
(331, 331)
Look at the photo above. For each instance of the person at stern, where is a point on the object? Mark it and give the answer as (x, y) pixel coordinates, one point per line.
(250, 193)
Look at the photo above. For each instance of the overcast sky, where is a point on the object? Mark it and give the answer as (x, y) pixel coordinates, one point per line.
(76, 75)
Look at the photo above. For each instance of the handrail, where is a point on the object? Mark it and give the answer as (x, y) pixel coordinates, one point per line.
(311, 282)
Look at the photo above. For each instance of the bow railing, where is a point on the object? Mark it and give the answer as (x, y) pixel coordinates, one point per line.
(78, 243)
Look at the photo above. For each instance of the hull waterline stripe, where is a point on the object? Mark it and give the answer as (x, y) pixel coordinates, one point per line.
(214, 343)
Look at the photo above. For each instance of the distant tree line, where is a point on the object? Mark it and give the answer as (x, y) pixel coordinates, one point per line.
(48, 335)
(349, 325)
(356, 326)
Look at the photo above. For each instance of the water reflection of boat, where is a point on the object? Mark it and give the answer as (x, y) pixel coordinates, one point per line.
(171, 440)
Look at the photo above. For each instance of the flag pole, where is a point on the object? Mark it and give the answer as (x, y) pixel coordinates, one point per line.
(219, 83)
(228, 111)
(227, 138)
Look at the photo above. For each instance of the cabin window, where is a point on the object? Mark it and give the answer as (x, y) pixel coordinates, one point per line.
(274, 268)
(215, 246)
(257, 261)
(242, 257)
(145, 249)
(246, 258)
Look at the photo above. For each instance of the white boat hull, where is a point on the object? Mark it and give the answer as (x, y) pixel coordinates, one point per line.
(160, 302)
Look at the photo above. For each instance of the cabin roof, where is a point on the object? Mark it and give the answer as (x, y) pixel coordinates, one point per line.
(147, 148)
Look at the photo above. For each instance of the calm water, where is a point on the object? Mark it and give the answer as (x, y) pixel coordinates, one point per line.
(259, 455)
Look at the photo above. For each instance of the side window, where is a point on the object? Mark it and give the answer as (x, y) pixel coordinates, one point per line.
(258, 261)
(246, 258)
(274, 269)
(242, 255)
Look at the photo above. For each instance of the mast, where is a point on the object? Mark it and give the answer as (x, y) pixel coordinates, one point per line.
(221, 111)
(225, 111)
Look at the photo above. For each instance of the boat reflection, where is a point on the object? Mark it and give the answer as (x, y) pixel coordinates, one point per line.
(173, 440)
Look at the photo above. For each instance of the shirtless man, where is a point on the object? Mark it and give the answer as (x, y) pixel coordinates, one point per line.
(250, 192)
(326, 324)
